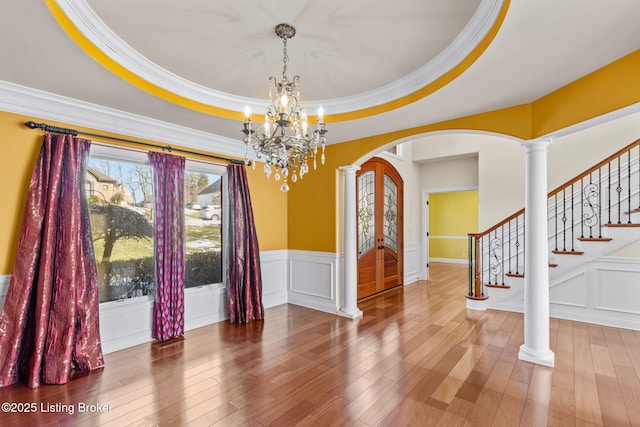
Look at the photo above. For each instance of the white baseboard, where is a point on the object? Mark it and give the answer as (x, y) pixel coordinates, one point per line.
(598, 319)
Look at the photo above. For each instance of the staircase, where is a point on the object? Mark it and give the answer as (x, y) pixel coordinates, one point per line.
(589, 217)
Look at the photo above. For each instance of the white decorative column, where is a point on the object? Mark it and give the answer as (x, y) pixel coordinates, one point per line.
(350, 279)
(536, 277)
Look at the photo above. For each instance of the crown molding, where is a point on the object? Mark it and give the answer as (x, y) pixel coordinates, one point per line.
(35, 103)
(103, 38)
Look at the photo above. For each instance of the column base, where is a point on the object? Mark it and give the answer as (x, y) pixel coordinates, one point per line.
(545, 357)
(350, 314)
(474, 304)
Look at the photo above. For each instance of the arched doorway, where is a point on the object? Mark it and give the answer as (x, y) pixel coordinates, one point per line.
(379, 189)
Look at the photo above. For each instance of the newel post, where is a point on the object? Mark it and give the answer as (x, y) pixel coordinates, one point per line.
(476, 287)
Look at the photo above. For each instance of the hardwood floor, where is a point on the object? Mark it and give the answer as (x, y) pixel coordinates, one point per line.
(417, 357)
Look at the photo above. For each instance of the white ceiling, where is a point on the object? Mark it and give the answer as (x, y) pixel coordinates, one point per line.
(349, 55)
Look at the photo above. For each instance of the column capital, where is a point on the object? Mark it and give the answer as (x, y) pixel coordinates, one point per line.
(349, 169)
(537, 144)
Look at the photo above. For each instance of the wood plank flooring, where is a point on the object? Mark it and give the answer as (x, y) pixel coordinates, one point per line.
(416, 358)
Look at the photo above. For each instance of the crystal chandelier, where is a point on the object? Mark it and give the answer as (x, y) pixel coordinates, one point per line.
(284, 141)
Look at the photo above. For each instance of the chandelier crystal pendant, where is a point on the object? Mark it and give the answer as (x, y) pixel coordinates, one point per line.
(285, 142)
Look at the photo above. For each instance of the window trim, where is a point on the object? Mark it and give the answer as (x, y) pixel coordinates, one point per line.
(218, 169)
(127, 154)
(399, 154)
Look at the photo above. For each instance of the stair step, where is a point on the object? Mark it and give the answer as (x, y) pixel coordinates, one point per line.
(632, 211)
(595, 239)
(622, 225)
(520, 275)
(568, 252)
(514, 275)
(491, 285)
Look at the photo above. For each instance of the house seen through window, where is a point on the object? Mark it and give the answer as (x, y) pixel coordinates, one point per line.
(120, 199)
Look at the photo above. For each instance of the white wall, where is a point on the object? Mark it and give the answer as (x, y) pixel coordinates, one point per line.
(500, 162)
(630, 251)
(410, 173)
(499, 172)
(448, 173)
(572, 154)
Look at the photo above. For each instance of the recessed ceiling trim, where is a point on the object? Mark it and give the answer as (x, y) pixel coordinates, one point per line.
(130, 65)
(461, 47)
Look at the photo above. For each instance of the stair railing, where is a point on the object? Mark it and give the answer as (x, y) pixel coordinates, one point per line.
(576, 211)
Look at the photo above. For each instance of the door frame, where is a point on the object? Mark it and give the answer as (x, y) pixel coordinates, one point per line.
(424, 265)
(424, 262)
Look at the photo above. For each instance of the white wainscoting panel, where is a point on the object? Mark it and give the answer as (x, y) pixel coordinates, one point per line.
(274, 277)
(128, 323)
(313, 280)
(4, 287)
(412, 261)
(618, 289)
(605, 292)
(125, 323)
(204, 306)
(570, 290)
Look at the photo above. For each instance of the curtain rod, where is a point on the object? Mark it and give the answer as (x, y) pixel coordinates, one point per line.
(66, 131)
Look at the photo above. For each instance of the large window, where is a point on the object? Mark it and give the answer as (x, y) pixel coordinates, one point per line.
(203, 220)
(119, 187)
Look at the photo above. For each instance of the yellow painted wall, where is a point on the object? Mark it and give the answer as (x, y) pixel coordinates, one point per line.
(448, 249)
(453, 214)
(312, 209)
(608, 89)
(305, 218)
(312, 214)
(269, 209)
(21, 146)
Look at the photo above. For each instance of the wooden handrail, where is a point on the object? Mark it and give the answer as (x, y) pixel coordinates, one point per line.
(565, 185)
(596, 167)
(498, 225)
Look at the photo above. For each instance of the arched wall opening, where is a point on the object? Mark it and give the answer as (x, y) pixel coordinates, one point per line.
(443, 160)
(492, 163)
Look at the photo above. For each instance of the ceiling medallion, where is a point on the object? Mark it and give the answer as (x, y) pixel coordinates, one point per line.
(285, 142)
